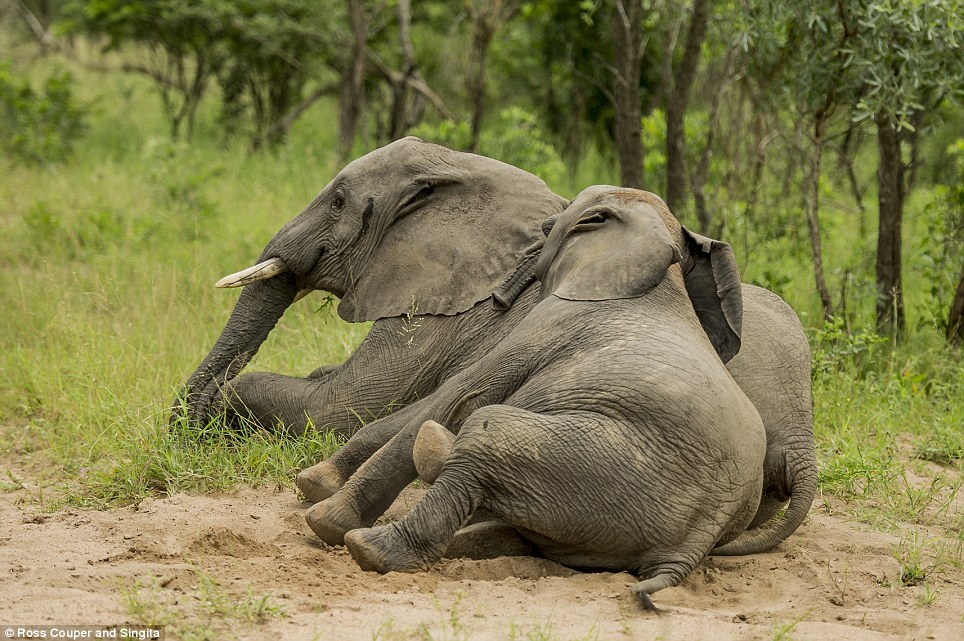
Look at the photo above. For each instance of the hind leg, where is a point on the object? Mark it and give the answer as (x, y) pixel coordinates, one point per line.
(422, 536)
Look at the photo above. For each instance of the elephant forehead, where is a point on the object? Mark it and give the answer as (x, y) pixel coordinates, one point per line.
(623, 197)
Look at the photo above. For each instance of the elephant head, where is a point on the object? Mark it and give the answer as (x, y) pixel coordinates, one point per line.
(634, 241)
(411, 227)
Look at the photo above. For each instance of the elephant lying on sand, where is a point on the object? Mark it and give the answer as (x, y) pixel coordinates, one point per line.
(604, 428)
(772, 368)
(415, 226)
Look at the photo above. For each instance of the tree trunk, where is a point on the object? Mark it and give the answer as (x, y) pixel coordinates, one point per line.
(701, 175)
(352, 81)
(848, 149)
(402, 115)
(627, 23)
(955, 319)
(811, 205)
(890, 199)
(487, 16)
(677, 88)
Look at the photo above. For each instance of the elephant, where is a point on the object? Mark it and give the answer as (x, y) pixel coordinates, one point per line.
(772, 367)
(411, 236)
(604, 428)
(415, 237)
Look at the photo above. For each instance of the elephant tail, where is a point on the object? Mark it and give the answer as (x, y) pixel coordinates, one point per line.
(802, 492)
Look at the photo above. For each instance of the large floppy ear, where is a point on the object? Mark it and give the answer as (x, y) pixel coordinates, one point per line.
(605, 253)
(455, 250)
(713, 284)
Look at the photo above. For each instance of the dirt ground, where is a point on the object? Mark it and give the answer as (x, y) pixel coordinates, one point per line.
(832, 580)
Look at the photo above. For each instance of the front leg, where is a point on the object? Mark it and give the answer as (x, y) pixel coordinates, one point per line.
(368, 493)
(381, 375)
(322, 480)
(376, 484)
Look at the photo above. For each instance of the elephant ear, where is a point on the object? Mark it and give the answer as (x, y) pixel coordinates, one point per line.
(713, 283)
(454, 251)
(604, 254)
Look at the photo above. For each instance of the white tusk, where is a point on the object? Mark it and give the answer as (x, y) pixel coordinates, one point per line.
(262, 271)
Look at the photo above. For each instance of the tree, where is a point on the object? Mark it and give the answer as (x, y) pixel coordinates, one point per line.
(487, 17)
(262, 53)
(178, 38)
(272, 49)
(908, 54)
(797, 48)
(352, 88)
(679, 72)
(628, 48)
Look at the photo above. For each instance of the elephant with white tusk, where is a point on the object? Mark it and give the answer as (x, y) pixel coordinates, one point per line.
(409, 229)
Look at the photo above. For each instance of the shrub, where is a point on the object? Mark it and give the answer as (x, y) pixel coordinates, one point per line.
(38, 127)
(516, 138)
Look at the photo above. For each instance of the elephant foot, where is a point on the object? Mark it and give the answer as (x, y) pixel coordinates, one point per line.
(381, 549)
(331, 519)
(319, 482)
(488, 540)
(433, 445)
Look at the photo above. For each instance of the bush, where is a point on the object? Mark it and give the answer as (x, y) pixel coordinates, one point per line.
(38, 127)
(516, 138)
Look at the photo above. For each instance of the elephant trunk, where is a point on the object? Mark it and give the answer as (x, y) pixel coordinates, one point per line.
(512, 287)
(803, 489)
(256, 313)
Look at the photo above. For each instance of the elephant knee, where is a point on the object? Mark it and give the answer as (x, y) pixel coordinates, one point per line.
(433, 445)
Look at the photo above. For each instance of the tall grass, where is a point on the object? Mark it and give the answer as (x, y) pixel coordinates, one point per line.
(108, 263)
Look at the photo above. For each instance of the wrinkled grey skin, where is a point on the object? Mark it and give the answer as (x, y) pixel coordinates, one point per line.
(604, 428)
(411, 236)
(772, 368)
(433, 209)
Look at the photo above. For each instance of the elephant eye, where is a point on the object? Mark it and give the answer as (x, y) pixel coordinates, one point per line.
(338, 202)
(591, 219)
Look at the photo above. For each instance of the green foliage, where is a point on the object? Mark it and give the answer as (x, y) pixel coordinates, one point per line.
(261, 53)
(39, 126)
(204, 458)
(921, 557)
(517, 139)
(908, 54)
(941, 249)
(835, 348)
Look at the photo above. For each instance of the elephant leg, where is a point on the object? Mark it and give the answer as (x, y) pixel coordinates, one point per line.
(273, 401)
(489, 540)
(421, 537)
(433, 445)
(368, 493)
(324, 479)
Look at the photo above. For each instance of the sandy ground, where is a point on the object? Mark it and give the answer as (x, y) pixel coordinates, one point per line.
(832, 580)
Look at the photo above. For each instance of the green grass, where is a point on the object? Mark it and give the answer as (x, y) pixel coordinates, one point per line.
(208, 612)
(108, 263)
